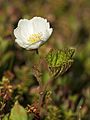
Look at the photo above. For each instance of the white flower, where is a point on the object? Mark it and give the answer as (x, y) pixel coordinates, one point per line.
(31, 34)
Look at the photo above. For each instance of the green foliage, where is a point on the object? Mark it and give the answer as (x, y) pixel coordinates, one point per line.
(56, 113)
(8, 56)
(6, 117)
(53, 113)
(4, 45)
(60, 60)
(18, 113)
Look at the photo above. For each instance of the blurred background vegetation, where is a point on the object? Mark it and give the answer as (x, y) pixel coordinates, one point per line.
(70, 20)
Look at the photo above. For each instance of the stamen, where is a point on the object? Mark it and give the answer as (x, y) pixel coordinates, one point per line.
(35, 38)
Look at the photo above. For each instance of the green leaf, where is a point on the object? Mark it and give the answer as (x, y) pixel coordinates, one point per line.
(18, 113)
(56, 58)
(59, 61)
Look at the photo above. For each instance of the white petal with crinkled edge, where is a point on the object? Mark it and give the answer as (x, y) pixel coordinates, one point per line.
(24, 29)
(39, 24)
(27, 28)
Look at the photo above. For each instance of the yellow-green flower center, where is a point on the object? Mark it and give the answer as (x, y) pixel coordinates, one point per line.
(35, 38)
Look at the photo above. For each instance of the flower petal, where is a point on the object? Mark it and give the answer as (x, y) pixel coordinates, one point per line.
(47, 34)
(30, 29)
(21, 43)
(39, 24)
(18, 34)
(26, 27)
(50, 31)
(35, 45)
